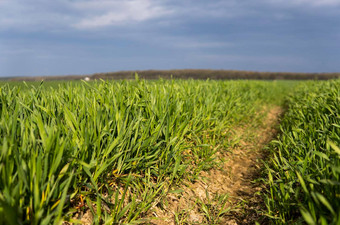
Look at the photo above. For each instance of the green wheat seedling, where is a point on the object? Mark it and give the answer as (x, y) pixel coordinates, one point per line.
(214, 208)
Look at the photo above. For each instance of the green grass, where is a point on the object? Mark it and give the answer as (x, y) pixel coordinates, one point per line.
(115, 148)
(22, 85)
(304, 175)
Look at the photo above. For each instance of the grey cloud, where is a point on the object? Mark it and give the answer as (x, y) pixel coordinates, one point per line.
(90, 14)
(120, 12)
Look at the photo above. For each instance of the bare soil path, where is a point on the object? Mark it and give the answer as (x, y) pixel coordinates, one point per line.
(226, 195)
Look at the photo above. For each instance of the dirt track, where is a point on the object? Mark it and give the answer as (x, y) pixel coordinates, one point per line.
(234, 179)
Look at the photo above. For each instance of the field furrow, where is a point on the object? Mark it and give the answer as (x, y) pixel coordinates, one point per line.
(226, 194)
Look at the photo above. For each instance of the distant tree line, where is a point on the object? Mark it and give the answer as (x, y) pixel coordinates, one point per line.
(191, 74)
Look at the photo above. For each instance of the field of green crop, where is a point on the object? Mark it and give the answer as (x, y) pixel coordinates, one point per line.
(117, 148)
(304, 175)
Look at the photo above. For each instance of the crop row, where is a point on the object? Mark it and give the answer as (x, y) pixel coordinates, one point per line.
(113, 148)
(304, 175)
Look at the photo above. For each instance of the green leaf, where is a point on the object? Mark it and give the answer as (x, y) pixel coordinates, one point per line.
(307, 216)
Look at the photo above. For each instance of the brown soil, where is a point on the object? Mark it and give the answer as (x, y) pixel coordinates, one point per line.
(234, 178)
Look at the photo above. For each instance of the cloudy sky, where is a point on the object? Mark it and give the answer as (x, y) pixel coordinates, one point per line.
(39, 37)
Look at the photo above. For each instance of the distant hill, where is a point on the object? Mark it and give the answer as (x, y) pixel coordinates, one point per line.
(189, 74)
